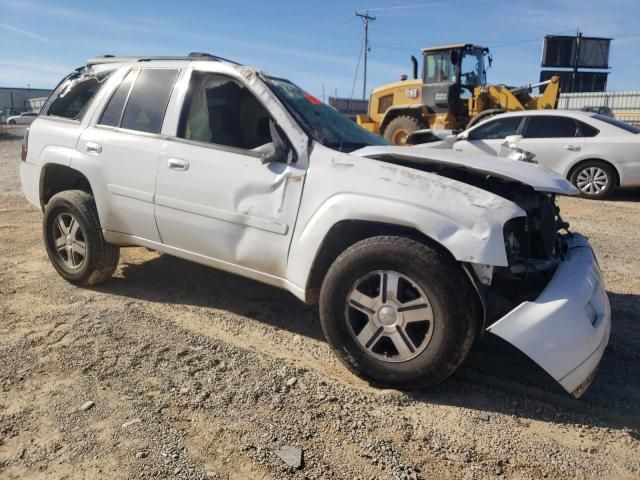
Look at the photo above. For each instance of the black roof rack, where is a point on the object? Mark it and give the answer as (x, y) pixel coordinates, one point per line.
(193, 56)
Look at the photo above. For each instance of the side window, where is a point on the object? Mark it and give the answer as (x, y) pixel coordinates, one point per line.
(496, 129)
(148, 100)
(586, 130)
(547, 126)
(112, 114)
(72, 97)
(222, 111)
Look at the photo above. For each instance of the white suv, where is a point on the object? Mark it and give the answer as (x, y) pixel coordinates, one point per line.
(410, 254)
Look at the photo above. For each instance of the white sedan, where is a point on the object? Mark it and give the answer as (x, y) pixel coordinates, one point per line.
(23, 119)
(595, 152)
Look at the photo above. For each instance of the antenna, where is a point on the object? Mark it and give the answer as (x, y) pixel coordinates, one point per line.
(366, 18)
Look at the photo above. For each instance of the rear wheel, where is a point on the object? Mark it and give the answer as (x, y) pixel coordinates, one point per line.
(399, 129)
(74, 242)
(398, 313)
(595, 179)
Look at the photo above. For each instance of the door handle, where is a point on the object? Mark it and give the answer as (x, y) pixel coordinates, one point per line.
(573, 148)
(93, 147)
(178, 164)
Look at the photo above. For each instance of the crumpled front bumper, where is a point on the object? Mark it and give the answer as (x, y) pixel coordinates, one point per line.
(566, 329)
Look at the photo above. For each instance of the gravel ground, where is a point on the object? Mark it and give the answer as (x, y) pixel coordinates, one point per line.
(194, 373)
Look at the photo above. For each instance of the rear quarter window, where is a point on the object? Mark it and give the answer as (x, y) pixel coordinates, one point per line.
(71, 99)
(587, 130)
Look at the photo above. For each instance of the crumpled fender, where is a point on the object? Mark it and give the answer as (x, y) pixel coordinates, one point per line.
(464, 219)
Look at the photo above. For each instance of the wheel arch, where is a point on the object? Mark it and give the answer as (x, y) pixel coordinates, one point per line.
(56, 178)
(345, 233)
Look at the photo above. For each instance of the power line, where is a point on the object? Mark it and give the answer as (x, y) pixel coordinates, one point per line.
(355, 77)
(366, 18)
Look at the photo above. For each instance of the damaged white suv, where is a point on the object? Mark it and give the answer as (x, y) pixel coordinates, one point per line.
(411, 254)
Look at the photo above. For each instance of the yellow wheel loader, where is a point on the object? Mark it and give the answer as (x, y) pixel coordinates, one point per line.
(451, 94)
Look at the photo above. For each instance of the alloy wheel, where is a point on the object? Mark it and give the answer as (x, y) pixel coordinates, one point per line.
(592, 180)
(69, 241)
(389, 316)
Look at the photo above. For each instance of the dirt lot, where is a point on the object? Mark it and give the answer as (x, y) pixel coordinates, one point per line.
(198, 374)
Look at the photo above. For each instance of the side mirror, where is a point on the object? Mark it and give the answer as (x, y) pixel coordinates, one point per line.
(512, 141)
(281, 150)
(462, 136)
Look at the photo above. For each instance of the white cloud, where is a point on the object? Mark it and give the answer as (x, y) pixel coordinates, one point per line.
(23, 32)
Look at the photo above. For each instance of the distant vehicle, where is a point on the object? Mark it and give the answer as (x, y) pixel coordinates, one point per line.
(411, 254)
(7, 112)
(23, 119)
(595, 152)
(601, 110)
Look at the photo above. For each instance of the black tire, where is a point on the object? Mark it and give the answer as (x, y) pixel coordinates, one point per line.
(590, 169)
(100, 259)
(454, 307)
(400, 127)
(485, 115)
(12, 122)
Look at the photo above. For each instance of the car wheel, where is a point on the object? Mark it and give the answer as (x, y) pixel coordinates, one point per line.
(398, 313)
(400, 127)
(73, 239)
(595, 179)
(12, 122)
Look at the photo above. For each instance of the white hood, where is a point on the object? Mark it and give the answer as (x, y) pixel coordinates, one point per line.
(536, 176)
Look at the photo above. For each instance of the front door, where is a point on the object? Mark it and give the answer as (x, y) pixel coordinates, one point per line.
(489, 135)
(214, 196)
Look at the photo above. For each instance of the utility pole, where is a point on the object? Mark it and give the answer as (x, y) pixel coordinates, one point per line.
(366, 18)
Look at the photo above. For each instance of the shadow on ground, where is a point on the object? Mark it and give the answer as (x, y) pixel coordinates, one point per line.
(613, 399)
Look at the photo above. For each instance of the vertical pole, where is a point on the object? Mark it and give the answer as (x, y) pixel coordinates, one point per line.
(576, 59)
(366, 18)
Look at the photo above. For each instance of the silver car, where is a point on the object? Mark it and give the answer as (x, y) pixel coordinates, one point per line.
(595, 152)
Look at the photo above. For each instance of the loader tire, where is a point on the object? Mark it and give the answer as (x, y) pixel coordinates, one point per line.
(400, 127)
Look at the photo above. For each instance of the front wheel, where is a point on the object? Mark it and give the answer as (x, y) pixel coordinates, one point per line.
(595, 179)
(74, 242)
(397, 312)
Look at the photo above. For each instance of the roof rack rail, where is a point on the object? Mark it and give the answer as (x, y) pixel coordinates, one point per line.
(193, 56)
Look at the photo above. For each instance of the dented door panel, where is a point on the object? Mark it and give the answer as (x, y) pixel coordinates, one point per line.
(234, 208)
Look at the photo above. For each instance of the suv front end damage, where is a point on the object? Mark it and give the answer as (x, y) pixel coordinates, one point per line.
(549, 299)
(566, 328)
(550, 302)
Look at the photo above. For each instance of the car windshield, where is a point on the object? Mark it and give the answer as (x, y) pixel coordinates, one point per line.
(322, 122)
(617, 123)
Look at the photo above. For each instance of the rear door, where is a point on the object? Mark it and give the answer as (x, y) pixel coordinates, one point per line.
(489, 135)
(123, 147)
(554, 139)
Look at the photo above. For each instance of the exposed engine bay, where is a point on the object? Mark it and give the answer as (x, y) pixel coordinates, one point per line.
(533, 244)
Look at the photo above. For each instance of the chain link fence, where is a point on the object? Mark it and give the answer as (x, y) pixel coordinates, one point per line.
(625, 106)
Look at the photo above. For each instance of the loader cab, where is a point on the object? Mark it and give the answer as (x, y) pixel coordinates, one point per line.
(450, 75)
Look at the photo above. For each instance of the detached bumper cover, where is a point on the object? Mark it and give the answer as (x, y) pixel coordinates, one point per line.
(566, 329)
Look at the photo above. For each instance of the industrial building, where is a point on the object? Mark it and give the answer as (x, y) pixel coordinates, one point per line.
(22, 99)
